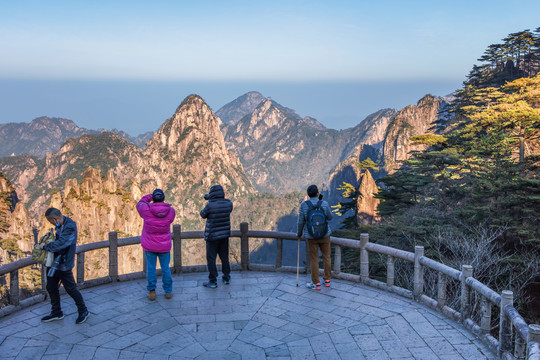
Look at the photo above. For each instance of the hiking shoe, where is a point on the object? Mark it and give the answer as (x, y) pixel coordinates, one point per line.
(152, 295)
(226, 282)
(82, 317)
(210, 284)
(168, 296)
(52, 317)
(327, 283)
(313, 286)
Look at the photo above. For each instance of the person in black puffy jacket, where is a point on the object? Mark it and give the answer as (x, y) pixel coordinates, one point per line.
(217, 213)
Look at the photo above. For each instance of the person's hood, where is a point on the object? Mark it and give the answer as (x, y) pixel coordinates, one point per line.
(160, 209)
(216, 192)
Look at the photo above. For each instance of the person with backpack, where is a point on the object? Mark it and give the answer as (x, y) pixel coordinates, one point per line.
(156, 240)
(313, 218)
(217, 213)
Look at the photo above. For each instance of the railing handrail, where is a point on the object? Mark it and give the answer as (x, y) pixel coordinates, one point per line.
(527, 340)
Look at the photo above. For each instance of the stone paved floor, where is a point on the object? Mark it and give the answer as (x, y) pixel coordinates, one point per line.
(258, 316)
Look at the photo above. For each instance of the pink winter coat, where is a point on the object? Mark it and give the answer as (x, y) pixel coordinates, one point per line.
(156, 232)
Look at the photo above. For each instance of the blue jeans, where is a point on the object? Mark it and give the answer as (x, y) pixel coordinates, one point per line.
(166, 278)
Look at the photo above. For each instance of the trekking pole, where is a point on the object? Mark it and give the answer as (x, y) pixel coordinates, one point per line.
(298, 262)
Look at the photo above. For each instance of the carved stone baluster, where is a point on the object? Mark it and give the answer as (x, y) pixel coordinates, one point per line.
(80, 268)
(14, 287)
(279, 253)
(113, 255)
(441, 291)
(244, 245)
(177, 249)
(418, 272)
(390, 271)
(505, 325)
(466, 272)
(337, 259)
(364, 257)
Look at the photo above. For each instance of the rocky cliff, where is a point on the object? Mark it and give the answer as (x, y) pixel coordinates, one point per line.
(366, 203)
(410, 121)
(16, 236)
(366, 142)
(389, 144)
(100, 205)
(35, 179)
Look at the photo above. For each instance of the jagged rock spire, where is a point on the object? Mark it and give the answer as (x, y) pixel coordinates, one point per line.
(367, 203)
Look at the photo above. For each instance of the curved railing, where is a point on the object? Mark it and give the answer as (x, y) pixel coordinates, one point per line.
(516, 339)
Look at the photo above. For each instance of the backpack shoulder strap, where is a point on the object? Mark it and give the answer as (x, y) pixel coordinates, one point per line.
(309, 204)
(319, 204)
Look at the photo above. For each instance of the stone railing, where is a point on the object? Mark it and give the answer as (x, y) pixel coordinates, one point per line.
(516, 339)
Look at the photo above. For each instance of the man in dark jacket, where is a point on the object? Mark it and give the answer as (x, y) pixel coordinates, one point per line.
(217, 213)
(64, 259)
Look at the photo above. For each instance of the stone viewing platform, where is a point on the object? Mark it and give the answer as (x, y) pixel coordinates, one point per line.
(260, 315)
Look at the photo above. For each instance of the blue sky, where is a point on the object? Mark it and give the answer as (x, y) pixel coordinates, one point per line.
(128, 64)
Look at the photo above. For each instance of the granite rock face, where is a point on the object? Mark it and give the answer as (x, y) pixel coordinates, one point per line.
(388, 145)
(16, 236)
(412, 120)
(366, 203)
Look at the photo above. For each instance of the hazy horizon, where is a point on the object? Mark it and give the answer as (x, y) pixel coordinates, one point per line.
(128, 64)
(137, 107)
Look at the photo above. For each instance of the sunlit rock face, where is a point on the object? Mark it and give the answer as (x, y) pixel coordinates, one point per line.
(366, 203)
(16, 236)
(410, 121)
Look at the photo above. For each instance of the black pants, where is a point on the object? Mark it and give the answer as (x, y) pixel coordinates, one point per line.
(53, 286)
(218, 247)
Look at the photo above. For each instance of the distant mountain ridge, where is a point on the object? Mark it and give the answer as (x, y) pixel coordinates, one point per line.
(47, 134)
(38, 137)
(283, 152)
(139, 140)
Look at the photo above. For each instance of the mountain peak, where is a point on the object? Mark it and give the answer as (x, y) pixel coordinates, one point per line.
(244, 105)
(192, 139)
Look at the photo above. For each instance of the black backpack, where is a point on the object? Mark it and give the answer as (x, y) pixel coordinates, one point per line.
(317, 223)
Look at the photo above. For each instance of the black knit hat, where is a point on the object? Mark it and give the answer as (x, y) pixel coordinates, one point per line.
(158, 195)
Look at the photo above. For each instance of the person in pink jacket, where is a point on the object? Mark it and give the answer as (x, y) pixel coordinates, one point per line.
(156, 239)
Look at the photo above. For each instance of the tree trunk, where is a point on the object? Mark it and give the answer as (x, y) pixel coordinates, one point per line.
(521, 145)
